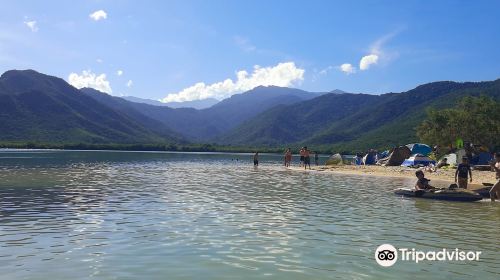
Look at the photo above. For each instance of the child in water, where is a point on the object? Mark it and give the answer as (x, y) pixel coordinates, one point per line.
(422, 183)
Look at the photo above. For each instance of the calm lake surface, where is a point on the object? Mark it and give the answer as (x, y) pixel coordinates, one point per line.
(148, 215)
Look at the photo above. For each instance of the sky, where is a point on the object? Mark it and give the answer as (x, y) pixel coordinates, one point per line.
(191, 50)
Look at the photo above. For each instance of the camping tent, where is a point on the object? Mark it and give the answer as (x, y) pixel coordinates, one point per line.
(482, 158)
(418, 159)
(419, 148)
(451, 159)
(396, 157)
(369, 159)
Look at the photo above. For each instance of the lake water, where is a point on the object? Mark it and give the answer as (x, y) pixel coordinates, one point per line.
(135, 215)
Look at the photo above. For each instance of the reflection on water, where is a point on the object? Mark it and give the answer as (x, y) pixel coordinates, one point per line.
(213, 216)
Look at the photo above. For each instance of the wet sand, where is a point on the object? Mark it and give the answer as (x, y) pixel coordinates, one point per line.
(441, 178)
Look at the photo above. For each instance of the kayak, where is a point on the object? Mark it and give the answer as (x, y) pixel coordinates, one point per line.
(444, 194)
(484, 192)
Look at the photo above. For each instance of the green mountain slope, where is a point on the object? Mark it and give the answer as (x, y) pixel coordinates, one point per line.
(41, 108)
(344, 122)
(207, 124)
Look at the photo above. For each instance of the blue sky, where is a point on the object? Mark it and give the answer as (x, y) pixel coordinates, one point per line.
(186, 50)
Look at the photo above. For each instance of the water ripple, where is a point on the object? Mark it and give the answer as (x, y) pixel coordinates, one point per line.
(189, 216)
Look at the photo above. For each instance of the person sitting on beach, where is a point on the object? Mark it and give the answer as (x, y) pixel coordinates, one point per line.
(495, 190)
(256, 159)
(463, 170)
(422, 183)
(443, 162)
(307, 158)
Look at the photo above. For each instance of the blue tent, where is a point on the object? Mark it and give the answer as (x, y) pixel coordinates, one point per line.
(419, 148)
(369, 159)
(481, 159)
(418, 159)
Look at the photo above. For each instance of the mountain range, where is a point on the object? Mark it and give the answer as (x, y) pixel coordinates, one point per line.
(39, 108)
(349, 122)
(195, 104)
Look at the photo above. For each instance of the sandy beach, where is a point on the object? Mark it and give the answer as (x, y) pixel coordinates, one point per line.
(441, 178)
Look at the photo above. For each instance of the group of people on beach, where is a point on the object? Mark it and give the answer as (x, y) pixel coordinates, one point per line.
(305, 157)
(462, 176)
(463, 173)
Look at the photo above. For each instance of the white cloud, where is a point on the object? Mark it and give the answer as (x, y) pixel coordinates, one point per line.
(98, 15)
(376, 47)
(129, 83)
(99, 60)
(375, 55)
(325, 70)
(347, 68)
(367, 60)
(284, 74)
(89, 79)
(119, 72)
(31, 25)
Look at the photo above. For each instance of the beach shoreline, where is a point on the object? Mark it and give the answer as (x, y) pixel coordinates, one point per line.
(441, 178)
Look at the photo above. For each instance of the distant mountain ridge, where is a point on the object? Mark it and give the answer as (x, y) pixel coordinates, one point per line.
(195, 104)
(41, 108)
(354, 121)
(207, 124)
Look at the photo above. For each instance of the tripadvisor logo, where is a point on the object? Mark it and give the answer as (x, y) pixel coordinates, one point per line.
(387, 255)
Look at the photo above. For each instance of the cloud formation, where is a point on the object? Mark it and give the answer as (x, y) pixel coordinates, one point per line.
(129, 83)
(367, 60)
(89, 79)
(284, 74)
(119, 72)
(98, 15)
(375, 55)
(347, 68)
(31, 25)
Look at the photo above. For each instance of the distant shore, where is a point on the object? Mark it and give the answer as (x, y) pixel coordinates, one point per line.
(441, 178)
(140, 147)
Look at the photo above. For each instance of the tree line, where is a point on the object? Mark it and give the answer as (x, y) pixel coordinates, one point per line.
(473, 119)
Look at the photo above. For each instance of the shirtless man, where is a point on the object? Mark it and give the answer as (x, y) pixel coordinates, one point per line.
(307, 158)
(288, 157)
(495, 190)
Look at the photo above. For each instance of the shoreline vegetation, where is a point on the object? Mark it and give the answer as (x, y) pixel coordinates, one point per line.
(141, 147)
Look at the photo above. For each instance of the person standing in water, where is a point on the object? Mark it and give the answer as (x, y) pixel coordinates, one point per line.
(256, 159)
(307, 158)
(463, 172)
(316, 158)
(301, 156)
(288, 157)
(495, 190)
